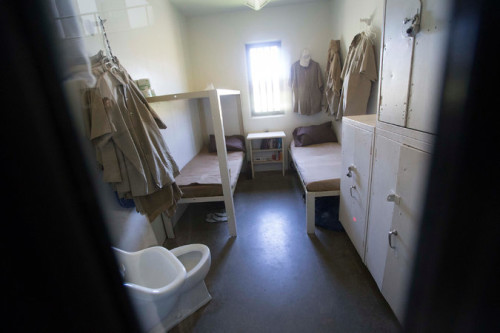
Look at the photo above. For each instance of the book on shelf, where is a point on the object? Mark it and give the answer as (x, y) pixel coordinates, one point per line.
(264, 144)
(277, 156)
(274, 143)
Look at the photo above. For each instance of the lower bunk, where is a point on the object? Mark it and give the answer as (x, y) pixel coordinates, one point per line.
(200, 181)
(319, 169)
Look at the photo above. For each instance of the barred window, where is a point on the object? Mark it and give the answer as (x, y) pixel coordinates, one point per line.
(263, 61)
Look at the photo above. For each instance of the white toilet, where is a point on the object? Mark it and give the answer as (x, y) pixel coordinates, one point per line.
(166, 286)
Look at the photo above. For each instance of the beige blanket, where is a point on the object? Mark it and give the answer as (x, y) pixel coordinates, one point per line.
(319, 165)
(201, 176)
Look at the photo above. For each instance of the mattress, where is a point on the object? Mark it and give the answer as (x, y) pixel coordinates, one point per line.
(319, 165)
(201, 176)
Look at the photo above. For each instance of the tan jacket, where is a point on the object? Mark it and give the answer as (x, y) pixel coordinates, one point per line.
(357, 74)
(125, 132)
(333, 82)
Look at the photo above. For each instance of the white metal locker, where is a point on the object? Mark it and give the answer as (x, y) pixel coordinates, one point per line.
(396, 61)
(357, 147)
(414, 46)
(346, 180)
(428, 65)
(384, 180)
(410, 190)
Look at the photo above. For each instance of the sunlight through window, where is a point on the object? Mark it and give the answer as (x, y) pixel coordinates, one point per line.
(263, 61)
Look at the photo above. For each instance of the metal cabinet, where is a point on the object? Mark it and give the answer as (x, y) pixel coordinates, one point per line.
(398, 182)
(357, 147)
(414, 43)
(412, 62)
(412, 176)
(384, 179)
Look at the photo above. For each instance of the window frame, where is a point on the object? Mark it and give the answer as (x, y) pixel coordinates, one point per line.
(248, 47)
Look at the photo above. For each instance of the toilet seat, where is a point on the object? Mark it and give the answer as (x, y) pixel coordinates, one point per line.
(197, 266)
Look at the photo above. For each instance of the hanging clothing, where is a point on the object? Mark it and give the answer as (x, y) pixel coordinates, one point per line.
(333, 82)
(130, 149)
(357, 74)
(307, 88)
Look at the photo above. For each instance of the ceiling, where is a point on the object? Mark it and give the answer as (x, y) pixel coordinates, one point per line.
(206, 7)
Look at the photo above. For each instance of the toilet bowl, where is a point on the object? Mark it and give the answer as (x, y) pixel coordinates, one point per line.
(196, 259)
(166, 286)
(153, 278)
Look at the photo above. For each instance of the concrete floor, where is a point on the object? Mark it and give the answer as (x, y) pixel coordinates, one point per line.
(273, 277)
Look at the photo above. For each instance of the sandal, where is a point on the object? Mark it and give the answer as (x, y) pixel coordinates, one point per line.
(213, 218)
(221, 213)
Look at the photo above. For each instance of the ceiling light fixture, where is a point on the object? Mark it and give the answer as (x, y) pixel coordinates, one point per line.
(256, 4)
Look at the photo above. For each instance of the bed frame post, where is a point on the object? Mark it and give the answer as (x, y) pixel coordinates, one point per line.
(240, 114)
(168, 224)
(310, 212)
(220, 141)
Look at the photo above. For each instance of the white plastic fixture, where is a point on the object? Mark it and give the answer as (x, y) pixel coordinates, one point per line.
(165, 286)
(256, 4)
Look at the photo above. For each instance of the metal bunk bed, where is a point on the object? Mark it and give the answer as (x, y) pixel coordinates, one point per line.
(214, 97)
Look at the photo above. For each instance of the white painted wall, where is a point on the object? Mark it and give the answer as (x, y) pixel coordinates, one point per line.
(148, 37)
(217, 54)
(345, 24)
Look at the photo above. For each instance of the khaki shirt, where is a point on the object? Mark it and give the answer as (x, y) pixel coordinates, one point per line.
(307, 85)
(357, 74)
(125, 132)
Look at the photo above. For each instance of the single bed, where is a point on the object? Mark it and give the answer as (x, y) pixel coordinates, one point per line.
(319, 168)
(200, 179)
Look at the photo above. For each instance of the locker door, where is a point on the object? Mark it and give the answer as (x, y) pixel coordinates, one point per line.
(355, 188)
(396, 61)
(412, 178)
(428, 65)
(384, 179)
(346, 180)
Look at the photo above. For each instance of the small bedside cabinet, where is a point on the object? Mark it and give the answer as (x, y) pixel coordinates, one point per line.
(270, 150)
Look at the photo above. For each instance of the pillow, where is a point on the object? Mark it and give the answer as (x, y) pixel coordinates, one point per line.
(309, 135)
(233, 143)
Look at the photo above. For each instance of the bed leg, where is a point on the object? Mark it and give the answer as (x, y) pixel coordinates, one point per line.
(231, 223)
(168, 224)
(310, 212)
(231, 217)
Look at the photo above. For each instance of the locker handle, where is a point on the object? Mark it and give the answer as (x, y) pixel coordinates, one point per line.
(350, 189)
(393, 197)
(392, 232)
(350, 169)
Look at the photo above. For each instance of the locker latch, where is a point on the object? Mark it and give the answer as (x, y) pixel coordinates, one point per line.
(411, 26)
(350, 169)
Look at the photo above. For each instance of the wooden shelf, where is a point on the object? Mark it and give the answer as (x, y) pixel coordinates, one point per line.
(263, 150)
(267, 162)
